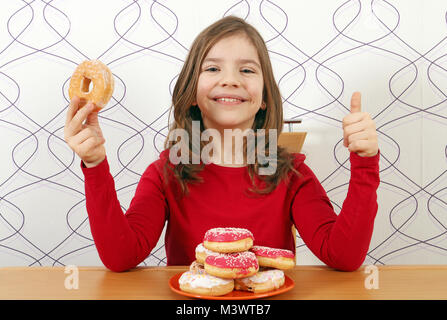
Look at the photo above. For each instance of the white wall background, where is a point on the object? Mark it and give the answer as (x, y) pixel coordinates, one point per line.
(394, 52)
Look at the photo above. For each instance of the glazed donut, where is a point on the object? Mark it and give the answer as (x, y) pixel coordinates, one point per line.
(97, 73)
(204, 284)
(202, 253)
(275, 258)
(226, 240)
(232, 265)
(263, 281)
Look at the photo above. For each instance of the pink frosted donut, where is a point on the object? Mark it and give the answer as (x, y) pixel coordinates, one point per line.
(274, 258)
(232, 265)
(226, 240)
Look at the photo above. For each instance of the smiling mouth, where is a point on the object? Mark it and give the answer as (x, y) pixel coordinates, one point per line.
(229, 101)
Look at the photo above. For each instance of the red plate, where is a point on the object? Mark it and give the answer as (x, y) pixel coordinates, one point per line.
(235, 294)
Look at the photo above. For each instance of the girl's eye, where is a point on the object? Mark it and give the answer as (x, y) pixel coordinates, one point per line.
(211, 69)
(247, 71)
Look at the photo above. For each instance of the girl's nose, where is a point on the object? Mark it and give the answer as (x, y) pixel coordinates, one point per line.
(230, 79)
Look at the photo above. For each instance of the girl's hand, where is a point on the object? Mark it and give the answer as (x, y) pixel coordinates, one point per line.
(359, 130)
(83, 133)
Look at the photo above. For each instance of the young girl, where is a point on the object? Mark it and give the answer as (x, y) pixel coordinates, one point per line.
(227, 83)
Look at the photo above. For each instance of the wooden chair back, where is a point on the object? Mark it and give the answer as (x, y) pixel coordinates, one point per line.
(293, 142)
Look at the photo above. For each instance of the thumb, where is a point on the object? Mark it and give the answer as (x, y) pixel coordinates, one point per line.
(356, 102)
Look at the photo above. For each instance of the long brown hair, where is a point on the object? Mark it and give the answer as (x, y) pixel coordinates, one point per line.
(184, 95)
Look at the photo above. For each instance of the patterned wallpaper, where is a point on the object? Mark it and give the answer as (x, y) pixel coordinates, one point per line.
(394, 52)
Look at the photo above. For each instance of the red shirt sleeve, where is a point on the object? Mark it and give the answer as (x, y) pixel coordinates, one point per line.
(342, 241)
(124, 240)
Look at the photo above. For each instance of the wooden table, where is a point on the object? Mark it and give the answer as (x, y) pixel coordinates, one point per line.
(311, 282)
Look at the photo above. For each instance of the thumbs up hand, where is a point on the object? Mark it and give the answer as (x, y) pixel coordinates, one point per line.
(359, 130)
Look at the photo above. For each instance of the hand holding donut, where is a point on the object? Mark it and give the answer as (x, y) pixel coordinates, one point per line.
(83, 133)
(359, 130)
(91, 87)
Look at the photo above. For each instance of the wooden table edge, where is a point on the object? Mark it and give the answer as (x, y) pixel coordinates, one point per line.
(181, 268)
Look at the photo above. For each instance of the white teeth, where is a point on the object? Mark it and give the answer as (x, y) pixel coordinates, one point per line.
(228, 100)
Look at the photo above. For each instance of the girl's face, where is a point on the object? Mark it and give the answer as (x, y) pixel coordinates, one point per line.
(230, 85)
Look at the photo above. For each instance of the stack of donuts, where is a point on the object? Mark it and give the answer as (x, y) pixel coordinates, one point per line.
(228, 260)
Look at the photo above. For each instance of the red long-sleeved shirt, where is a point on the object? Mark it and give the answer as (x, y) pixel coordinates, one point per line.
(123, 241)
